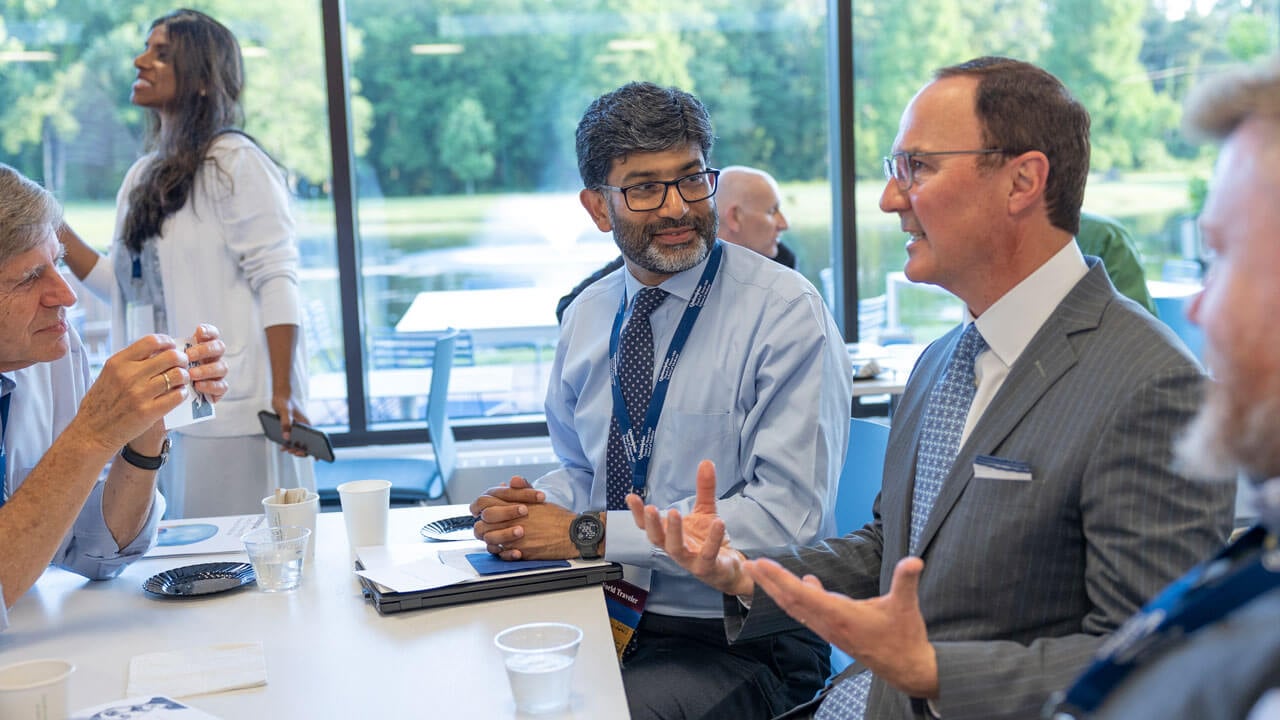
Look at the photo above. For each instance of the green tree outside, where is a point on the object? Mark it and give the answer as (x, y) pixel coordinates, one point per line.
(466, 143)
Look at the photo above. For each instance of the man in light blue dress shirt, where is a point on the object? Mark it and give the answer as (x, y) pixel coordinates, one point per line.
(59, 431)
(762, 387)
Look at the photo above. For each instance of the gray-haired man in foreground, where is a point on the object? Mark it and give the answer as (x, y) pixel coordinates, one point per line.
(59, 431)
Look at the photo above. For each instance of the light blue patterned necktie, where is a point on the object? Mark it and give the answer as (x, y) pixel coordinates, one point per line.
(949, 403)
(943, 425)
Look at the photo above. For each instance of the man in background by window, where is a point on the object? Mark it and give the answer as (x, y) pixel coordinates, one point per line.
(57, 431)
(1028, 504)
(759, 382)
(1208, 647)
(749, 207)
(749, 213)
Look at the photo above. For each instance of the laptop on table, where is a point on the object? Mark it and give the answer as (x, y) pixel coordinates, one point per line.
(477, 587)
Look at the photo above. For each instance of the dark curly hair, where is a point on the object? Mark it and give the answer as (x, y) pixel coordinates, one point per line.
(638, 117)
(209, 74)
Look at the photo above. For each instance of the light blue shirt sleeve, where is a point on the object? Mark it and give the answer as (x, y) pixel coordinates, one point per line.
(45, 400)
(91, 551)
(762, 389)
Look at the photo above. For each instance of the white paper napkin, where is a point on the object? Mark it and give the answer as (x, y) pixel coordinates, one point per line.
(195, 671)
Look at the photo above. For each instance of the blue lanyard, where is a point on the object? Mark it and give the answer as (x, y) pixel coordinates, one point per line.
(1207, 593)
(639, 446)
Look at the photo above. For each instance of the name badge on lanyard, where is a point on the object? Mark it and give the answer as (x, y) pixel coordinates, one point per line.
(139, 318)
(638, 441)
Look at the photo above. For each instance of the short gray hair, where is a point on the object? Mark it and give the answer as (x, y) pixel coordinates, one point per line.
(27, 212)
(638, 117)
(1221, 104)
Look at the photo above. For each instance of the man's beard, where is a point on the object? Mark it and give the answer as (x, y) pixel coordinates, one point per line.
(637, 244)
(1235, 430)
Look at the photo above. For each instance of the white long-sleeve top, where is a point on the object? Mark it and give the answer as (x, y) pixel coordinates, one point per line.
(228, 257)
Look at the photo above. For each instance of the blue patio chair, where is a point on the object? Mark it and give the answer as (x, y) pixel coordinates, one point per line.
(414, 481)
(860, 482)
(1173, 311)
(861, 476)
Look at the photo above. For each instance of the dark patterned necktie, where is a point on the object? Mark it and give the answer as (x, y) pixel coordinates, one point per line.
(635, 376)
(4, 430)
(940, 433)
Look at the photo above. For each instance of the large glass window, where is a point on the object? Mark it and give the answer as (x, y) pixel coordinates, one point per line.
(1131, 63)
(461, 122)
(65, 120)
(468, 207)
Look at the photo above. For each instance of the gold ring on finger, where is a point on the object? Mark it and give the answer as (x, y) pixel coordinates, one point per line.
(167, 386)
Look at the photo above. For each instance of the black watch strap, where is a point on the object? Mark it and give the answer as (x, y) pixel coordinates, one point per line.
(146, 462)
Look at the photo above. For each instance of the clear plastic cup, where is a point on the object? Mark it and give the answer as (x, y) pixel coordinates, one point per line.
(539, 660)
(277, 554)
(299, 514)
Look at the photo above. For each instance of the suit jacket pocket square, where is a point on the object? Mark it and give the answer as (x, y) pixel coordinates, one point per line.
(989, 467)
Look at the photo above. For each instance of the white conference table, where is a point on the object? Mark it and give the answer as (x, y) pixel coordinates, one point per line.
(496, 316)
(328, 653)
(889, 382)
(897, 361)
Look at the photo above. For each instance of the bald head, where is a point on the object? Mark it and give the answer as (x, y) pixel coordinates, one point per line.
(750, 209)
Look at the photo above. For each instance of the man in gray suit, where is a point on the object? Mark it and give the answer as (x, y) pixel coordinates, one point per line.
(1214, 651)
(1028, 506)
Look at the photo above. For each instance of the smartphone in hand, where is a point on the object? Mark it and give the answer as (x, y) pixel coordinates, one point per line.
(314, 442)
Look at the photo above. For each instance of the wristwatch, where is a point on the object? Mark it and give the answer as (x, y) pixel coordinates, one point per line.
(146, 462)
(586, 531)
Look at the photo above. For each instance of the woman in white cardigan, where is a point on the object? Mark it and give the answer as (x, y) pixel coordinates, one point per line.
(204, 234)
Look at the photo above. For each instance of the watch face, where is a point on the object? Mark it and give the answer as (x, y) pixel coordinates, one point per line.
(586, 530)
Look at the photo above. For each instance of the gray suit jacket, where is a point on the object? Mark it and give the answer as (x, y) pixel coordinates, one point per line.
(1022, 578)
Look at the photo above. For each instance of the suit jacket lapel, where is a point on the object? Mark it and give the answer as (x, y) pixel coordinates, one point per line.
(1048, 356)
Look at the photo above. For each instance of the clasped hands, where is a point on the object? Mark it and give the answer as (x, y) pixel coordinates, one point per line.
(886, 633)
(517, 523)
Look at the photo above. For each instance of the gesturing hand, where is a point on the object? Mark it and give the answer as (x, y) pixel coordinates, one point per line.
(886, 633)
(698, 542)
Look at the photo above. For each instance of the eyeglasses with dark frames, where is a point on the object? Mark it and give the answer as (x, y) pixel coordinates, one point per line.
(652, 194)
(900, 168)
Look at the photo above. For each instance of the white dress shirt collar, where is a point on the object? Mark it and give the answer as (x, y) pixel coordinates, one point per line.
(1010, 323)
